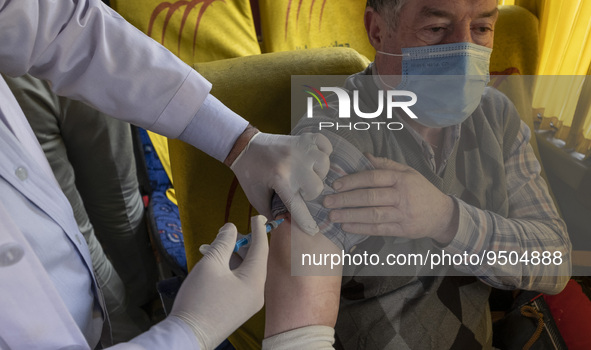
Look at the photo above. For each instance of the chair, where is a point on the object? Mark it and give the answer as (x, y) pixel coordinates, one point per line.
(514, 63)
(516, 42)
(515, 53)
(292, 25)
(220, 29)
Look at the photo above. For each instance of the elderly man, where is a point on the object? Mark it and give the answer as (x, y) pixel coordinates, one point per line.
(460, 177)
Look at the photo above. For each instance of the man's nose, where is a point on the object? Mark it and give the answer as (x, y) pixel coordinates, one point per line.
(461, 33)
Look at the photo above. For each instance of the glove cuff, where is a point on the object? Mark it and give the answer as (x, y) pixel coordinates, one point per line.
(233, 166)
(309, 337)
(195, 327)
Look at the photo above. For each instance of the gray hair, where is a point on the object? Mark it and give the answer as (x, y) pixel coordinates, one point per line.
(389, 9)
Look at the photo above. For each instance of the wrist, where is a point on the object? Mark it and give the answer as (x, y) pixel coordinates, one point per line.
(240, 144)
(451, 222)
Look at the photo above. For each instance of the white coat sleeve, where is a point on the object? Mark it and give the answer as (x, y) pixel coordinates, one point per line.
(90, 53)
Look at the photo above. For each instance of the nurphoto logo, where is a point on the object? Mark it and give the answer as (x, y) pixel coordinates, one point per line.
(344, 108)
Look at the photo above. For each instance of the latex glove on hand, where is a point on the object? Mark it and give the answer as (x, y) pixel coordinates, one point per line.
(292, 166)
(236, 258)
(215, 300)
(392, 200)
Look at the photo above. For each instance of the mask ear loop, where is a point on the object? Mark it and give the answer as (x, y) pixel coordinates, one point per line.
(393, 54)
(385, 84)
(389, 54)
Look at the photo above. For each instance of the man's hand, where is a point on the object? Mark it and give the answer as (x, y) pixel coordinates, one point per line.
(292, 166)
(392, 200)
(215, 300)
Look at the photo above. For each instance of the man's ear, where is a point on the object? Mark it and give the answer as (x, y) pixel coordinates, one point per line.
(375, 27)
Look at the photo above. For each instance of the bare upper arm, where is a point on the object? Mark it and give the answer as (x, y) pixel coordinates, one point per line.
(297, 301)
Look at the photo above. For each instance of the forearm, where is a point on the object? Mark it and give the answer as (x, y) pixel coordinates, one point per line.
(532, 225)
(483, 231)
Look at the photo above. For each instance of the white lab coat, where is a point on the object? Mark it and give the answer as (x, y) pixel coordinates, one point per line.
(48, 295)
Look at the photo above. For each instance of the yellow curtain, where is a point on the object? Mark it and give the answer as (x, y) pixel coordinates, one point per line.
(565, 57)
(507, 2)
(565, 34)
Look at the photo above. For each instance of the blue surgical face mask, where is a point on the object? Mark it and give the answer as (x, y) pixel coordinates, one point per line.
(448, 79)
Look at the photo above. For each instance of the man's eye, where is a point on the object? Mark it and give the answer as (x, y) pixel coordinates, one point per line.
(483, 30)
(437, 29)
(433, 34)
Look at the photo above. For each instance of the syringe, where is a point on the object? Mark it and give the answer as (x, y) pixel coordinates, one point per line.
(271, 225)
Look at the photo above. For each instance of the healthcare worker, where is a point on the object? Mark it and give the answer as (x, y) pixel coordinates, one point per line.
(48, 294)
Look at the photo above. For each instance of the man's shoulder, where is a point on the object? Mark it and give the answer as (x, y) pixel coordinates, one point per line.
(497, 114)
(494, 95)
(497, 109)
(361, 81)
